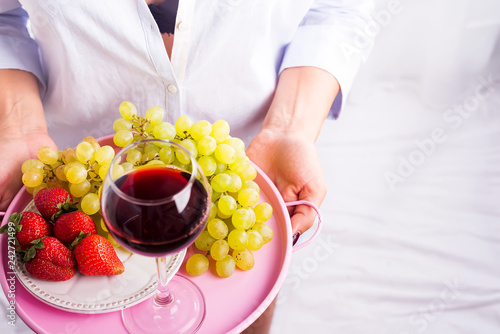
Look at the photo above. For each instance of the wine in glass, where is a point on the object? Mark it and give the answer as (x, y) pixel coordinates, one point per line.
(156, 210)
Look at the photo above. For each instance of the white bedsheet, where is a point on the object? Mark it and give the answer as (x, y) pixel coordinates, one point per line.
(419, 253)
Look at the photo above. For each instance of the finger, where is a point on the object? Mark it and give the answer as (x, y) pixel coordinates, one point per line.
(302, 219)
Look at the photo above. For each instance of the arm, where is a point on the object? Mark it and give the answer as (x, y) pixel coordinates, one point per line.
(284, 148)
(22, 128)
(22, 122)
(316, 70)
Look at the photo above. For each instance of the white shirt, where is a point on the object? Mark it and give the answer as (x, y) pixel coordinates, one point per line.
(225, 61)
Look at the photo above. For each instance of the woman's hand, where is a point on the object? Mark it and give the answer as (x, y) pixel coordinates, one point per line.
(292, 163)
(17, 148)
(284, 148)
(23, 129)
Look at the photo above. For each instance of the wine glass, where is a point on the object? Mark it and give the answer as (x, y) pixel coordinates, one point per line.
(155, 210)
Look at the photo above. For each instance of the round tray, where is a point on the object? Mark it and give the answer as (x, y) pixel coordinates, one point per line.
(232, 303)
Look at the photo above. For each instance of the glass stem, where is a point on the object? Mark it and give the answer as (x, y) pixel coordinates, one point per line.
(163, 295)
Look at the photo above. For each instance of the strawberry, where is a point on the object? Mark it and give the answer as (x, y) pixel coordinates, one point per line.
(29, 226)
(95, 255)
(52, 202)
(50, 260)
(69, 226)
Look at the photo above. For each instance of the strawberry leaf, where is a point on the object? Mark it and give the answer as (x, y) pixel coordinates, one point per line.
(30, 254)
(78, 239)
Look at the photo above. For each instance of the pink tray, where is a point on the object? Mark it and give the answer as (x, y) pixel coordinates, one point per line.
(232, 303)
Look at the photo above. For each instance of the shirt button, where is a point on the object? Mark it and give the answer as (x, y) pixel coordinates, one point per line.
(172, 89)
(183, 26)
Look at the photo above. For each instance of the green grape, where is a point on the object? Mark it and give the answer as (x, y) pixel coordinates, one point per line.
(154, 162)
(104, 154)
(221, 167)
(249, 174)
(68, 155)
(219, 250)
(237, 239)
(164, 130)
(221, 182)
(150, 152)
(220, 131)
(182, 156)
(217, 228)
(207, 164)
(227, 205)
(90, 204)
(197, 264)
(240, 164)
(76, 173)
(32, 178)
(242, 218)
(244, 259)
(122, 138)
(32, 164)
(127, 166)
(264, 230)
(221, 215)
(167, 155)
(213, 211)
(251, 184)
(59, 171)
(200, 129)
(92, 141)
(84, 152)
(134, 156)
(127, 110)
(190, 145)
(225, 153)
(183, 126)
(225, 267)
(235, 184)
(69, 165)
(103, 170)
(263, 212)
(204, 241)
(118, 171)
(48, 155)
(248, 197)
(155, 115)
(215, 195)
(236, 143)
(255, 240)
(206, 145)
(122, 124)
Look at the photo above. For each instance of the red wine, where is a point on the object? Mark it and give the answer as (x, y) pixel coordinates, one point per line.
(163, 228)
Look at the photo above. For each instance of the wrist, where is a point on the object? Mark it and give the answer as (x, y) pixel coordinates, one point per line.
(301, 103)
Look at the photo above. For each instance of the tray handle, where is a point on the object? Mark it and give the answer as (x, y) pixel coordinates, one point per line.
(318, 228)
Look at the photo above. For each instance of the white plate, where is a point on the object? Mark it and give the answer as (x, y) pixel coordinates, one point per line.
(100, 294)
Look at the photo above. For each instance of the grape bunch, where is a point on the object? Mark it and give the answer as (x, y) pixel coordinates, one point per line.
(236, 225)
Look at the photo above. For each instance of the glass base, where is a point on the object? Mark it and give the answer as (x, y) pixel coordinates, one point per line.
(184, 315)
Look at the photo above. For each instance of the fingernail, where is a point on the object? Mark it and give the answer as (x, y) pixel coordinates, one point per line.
(295, 238)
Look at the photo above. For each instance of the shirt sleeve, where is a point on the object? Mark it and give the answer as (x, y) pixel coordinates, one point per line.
(18, 50)
(335, 36)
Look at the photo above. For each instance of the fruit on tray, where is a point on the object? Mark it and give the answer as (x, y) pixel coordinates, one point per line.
(27, 227)
(53, 202)
(69, 226)
(50, 260)
(236, 216)
(95, 255)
